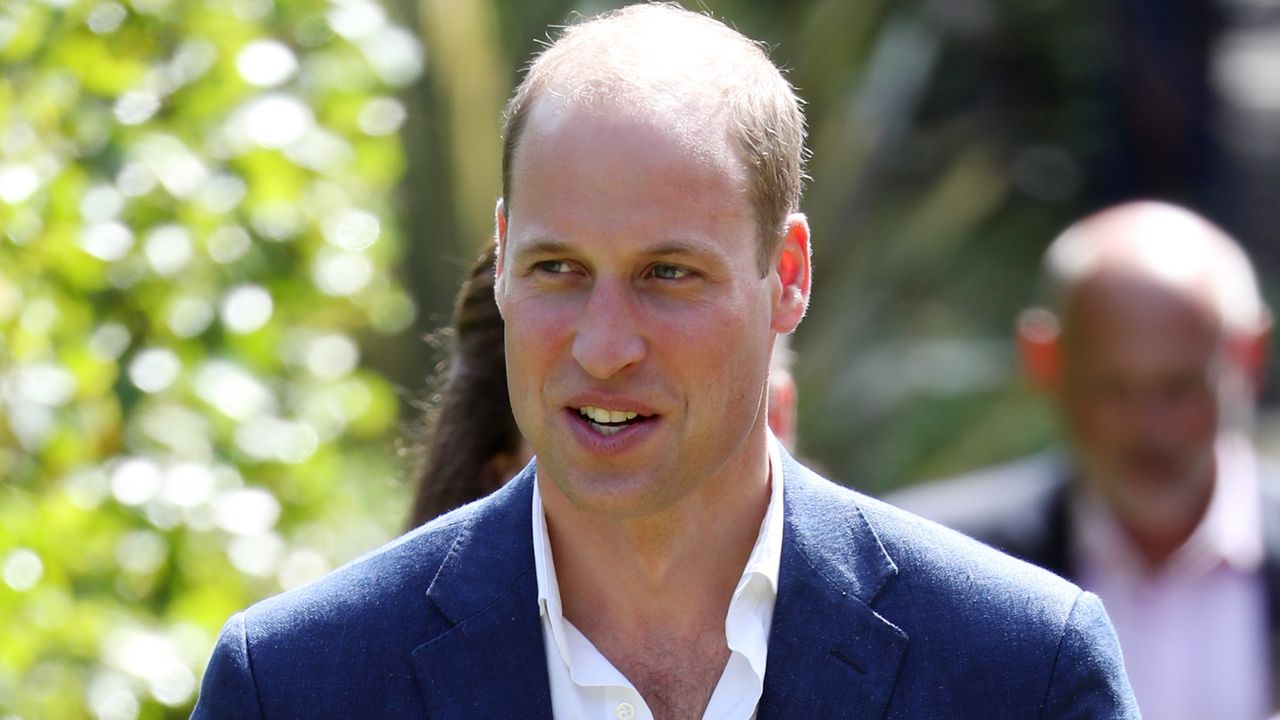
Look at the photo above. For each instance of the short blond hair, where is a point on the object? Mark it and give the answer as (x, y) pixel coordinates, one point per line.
(662, 54)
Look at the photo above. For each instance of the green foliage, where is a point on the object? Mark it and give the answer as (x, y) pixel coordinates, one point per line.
(196, 234)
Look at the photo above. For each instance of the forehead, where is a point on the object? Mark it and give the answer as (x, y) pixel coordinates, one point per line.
(616, 163)
(689, 129)
(1138, 322)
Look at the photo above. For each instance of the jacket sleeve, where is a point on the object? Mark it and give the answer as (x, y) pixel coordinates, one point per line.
(1088, 679)
(228, 691)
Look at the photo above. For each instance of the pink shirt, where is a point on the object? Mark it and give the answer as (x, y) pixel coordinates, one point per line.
(1194, 631)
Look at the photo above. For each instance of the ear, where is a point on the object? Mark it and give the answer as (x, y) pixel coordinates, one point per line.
(1251, 351)
(791, 269)
(1039, 338)
(500, 242)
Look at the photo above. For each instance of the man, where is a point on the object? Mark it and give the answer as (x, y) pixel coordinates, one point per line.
(663, 557)
(1153, 350)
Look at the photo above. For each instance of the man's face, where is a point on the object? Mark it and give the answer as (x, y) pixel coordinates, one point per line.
(638, 327)
(1141, 381)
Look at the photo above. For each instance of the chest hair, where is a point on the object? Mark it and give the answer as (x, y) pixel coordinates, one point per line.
(676, 678)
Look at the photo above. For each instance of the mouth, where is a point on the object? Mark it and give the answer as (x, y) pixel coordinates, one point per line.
(610, 421)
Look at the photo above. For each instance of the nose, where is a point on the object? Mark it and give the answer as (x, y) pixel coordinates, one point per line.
(607, 339)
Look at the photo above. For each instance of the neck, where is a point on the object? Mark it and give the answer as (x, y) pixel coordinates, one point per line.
(1157, 542)
(673, 572)
(1156, 545)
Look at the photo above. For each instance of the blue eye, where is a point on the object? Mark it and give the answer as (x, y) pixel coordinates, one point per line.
(554, 267)
(670, 272)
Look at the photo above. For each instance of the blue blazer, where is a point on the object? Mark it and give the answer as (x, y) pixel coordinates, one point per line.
(879, 614)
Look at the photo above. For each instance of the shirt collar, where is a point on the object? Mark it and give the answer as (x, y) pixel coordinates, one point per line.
(1229, 533)
(750, 613)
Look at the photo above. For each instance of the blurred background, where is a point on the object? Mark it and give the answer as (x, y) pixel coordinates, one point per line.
(226, 226)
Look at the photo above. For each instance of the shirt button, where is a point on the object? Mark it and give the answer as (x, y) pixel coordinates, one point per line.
(625, 711)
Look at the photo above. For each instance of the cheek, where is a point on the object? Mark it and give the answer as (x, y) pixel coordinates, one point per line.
(534, 327)
(1198, 417)
(532, 343)
(1097, 423)
(724, 357)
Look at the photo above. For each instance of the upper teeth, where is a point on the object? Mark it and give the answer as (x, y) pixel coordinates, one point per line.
(601, 415)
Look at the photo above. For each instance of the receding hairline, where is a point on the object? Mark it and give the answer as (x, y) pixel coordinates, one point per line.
(692, 70)
(643, 59)
(1160, 242)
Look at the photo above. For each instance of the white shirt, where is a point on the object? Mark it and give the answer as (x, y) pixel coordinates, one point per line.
(586, 686)
(1194, 631)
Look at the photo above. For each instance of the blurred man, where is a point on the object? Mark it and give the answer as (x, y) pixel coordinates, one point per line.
(1152, 351)
(663, 556)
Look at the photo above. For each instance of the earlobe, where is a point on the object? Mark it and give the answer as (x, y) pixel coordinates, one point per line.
(791, 267)
(1251, 351)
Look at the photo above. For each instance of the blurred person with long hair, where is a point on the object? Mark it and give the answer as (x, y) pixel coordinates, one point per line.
(470, 444)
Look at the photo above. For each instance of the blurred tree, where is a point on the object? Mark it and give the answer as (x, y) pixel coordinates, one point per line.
(197, 236)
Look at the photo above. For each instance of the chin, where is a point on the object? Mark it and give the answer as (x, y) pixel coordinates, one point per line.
(620, 495)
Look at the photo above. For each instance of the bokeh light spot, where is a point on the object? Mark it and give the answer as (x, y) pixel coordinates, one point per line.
(168, 249)
(154, 369)
(228, 244)
(355, 19)
(189, 316)
(22, 569)
(352, 229)
(109, 241)
(331, 356)
(136, 481)
(341, 273)
(17, 183)
(106, 17)
(246, 308)
(109, 340)
(231, 389)
(395, 54)
(275, 120)
(247, 511)
(266, 63)
(136, 107)
(381, 116)
(141, 551)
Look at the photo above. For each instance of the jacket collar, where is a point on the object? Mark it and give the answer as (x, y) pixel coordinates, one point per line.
(829, 654)
(486, 657)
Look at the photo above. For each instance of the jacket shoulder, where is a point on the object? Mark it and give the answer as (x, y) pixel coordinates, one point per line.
(343, 644)
(985, 632)
(403, 565)
(939, 564)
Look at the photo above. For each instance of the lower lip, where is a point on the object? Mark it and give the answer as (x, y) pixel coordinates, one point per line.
(627, 439)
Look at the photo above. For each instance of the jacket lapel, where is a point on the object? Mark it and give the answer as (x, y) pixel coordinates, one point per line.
(486, 657)
(830, 654)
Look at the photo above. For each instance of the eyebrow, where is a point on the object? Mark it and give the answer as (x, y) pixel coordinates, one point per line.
(678, 248)
(664, 249)
(542, 246)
